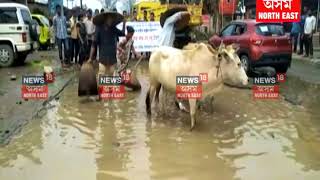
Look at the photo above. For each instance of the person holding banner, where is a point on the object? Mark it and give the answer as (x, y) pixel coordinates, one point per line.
(152, 16)
(134, 16)
(145, 16)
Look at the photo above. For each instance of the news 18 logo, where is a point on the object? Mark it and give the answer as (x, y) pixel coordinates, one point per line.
(189, 87)
(110, 87)
(278, 10)
(48, 74)
(126, 76)
(34, 87)
(265, 88)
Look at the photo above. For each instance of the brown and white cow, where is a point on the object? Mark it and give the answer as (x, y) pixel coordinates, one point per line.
(166, 63)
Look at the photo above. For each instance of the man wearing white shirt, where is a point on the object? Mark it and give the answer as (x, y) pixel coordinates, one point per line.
(309, 29)
(90, 29)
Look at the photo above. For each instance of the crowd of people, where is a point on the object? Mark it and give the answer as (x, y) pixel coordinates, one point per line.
(74, 43)
(74, 36)
(303, 32)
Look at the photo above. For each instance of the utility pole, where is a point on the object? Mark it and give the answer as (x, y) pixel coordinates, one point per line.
(81, 4)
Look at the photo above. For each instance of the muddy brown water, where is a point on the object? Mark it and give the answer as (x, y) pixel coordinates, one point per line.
(110, 140)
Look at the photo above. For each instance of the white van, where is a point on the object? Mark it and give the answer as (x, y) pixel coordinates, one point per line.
(18, 33)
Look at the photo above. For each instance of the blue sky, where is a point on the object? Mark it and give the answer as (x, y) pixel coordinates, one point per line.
(93, 4)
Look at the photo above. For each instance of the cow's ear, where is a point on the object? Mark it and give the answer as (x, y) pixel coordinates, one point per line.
(223, 55)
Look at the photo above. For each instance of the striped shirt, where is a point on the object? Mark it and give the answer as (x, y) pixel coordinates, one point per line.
(60, 26)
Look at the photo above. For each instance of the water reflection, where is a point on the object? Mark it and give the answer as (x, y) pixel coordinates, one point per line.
(241, 139)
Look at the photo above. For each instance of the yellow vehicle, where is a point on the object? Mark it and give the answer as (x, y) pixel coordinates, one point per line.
(44, 30)
(157, 8)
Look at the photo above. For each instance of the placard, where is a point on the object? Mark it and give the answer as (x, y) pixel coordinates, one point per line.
(146, 35)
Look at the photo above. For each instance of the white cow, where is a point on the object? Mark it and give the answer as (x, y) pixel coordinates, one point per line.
(166, 63)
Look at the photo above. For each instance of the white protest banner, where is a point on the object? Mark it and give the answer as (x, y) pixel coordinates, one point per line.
(146, 35)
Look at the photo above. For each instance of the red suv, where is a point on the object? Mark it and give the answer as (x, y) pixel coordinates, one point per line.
(261, 44)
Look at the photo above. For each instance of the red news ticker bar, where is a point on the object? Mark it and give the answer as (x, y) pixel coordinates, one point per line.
(188, 89)
(34, 92)
(125, 76)
(265, 89)
(189, 95)
(278, 10)
(265, 92)
(264, 95)
(189, 92)
(111, 92)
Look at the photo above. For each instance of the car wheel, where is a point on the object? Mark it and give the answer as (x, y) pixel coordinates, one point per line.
(245, 63)
(282, 69)
(6, 55)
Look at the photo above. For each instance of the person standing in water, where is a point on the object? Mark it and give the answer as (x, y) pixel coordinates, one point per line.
(74, 38)
(125, 47)
(106, 40)
(167, 37)
(83, 41)
(90, 30)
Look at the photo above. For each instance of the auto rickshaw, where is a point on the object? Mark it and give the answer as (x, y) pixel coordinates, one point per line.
(44, 30)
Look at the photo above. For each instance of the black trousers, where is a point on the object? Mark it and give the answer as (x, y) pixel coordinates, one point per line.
(83, 53)
(308, 44)
(301, 43)
(294, 37)
(63, 43)
(74, 49)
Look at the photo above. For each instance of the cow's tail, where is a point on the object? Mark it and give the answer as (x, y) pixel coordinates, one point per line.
(158, 92)
(148, 104)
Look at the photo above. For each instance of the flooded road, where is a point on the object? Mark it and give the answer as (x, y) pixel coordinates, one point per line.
(110, 140)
